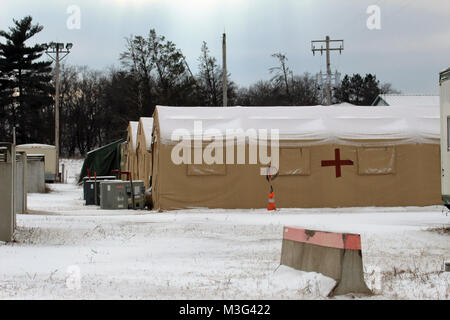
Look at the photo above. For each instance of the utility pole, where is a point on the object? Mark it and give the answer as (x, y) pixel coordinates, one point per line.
(224, 71)
(53, 50)
(327, 49)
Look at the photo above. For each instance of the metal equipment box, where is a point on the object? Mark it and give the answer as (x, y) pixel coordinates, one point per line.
(113, 194)
(90, 189)
(118, 195)
(139, 195)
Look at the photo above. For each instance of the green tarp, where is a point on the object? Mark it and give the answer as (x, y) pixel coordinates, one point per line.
(102, 161)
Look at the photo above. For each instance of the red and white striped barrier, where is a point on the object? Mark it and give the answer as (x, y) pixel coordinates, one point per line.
(336, 255)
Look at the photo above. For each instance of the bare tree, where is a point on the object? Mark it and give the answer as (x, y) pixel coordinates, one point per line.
(282, 72)
(386, 88)
(209, 77)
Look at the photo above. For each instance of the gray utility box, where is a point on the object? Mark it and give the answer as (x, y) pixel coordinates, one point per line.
(139, 195)
(91, 189)
(7, 177)
(117, 194)
(113, 194)
(20, 197)
(36, 173)
(88, 188)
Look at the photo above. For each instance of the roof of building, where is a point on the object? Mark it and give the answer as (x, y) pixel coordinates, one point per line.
(36, 145)
(407, 100)
(444, 75)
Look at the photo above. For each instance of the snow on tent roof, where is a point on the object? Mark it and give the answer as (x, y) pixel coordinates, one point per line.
(410, 100)
(134, 130)
(147, 126)
(310, 125)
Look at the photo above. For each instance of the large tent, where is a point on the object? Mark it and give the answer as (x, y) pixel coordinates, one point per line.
(143, 150)
(329, 157)
(102, 161)
(132, 164)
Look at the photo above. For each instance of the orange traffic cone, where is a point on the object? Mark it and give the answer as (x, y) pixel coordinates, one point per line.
(271, 203)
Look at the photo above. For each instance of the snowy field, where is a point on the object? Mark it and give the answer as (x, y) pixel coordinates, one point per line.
(209, 254)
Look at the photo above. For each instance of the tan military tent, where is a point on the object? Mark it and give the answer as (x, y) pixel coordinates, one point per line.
(131, 149)
(143, 150)
(336, 156)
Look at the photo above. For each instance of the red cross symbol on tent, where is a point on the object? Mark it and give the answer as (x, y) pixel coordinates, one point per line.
(337, 162)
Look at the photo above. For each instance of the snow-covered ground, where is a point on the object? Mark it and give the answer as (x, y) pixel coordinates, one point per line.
(66, 250)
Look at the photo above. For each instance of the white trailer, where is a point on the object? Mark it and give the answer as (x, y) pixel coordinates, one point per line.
(444, 88)
(49, 153)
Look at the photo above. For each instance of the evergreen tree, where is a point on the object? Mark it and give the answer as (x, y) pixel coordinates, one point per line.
(360, 91)
(25, 85)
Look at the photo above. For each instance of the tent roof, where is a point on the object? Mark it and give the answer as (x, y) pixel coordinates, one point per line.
(107, 146)
(408, 100)
(147, 127)
(133, 126)
(316, 124)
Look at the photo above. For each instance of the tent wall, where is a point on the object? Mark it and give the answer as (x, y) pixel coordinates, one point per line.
(140, 154)
(402, 175)
(131, 162)
(143, 151)
(144, 164)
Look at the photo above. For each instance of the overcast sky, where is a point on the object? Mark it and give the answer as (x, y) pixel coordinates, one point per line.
(409, 50)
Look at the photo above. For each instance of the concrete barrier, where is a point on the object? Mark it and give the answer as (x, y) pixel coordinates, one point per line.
(7, 169)
(335, 255)
(20, 196)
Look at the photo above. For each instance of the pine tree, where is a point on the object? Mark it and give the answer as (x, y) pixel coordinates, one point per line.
(25, 85)
(358, 90)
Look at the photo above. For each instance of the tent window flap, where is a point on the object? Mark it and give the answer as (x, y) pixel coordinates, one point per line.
(294, 161)
(376, 160)
(206, 170)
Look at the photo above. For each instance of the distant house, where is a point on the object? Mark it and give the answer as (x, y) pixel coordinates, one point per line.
(406, 100)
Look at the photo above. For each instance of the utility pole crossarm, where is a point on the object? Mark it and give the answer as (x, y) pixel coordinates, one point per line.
(322, 49)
